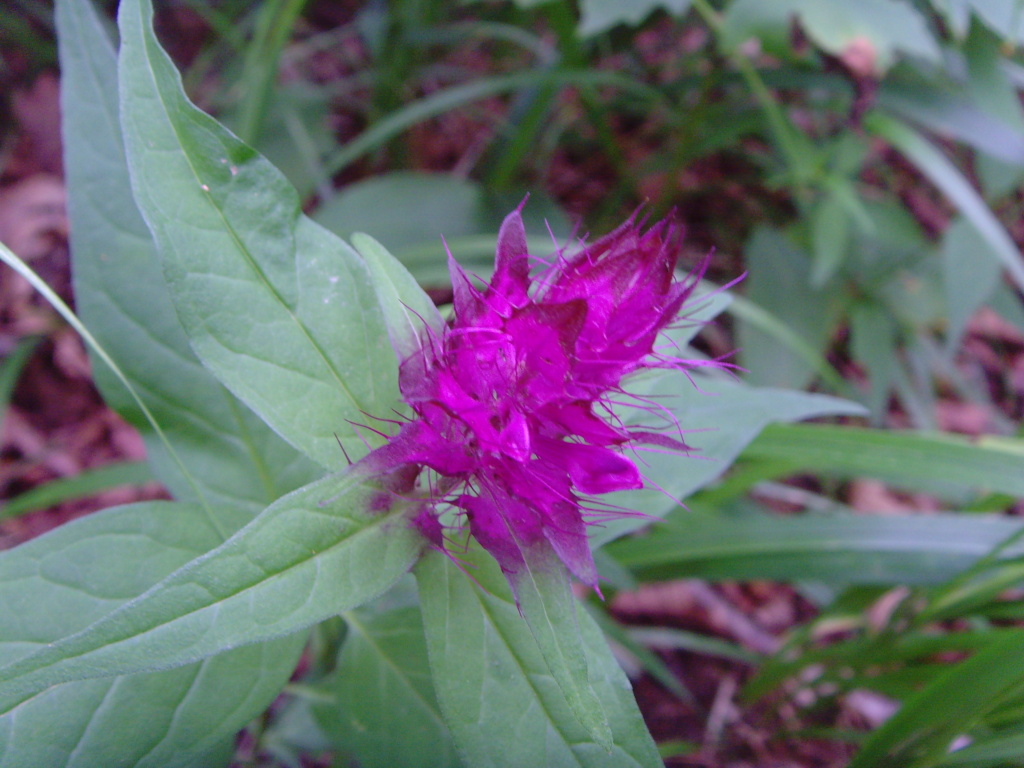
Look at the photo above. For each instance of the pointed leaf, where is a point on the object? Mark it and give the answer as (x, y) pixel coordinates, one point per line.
(948, 178)
(280, 310)
(908, 459)
(969, 280)
(498, 696)
(314, 553)
(408, 311)
(778, 269)
(233, 459)
(543, 591)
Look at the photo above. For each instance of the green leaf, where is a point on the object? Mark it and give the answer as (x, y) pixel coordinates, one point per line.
(1003, 17)
(597, 16)
(839, 549)
(382, 688)
(631, 644)
(11, 366)
(778, 271)
(233, 461)
(907, 459)
(888, 27)
(85, 483)
(719, 418)
(282, 312)
(408, 311)
(947, 177)
(544, 595)
(416, 215)
(59, 583)
(405, 208)
(990, 85)
(920, 733)
(956, 13)
(313, 553)
(951, 110)
(873, 338)
(498, 697)
(969, 281)
(830, 233)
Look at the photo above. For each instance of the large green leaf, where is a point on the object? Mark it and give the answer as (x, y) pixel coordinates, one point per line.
(498, 696)
(232, 460)
(58, 584)
(381, 688)
(279, 309)
(322, 549)
(840, 548)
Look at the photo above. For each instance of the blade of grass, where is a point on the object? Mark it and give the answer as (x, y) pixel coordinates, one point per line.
(10, 369)
(921, 732)
(460, 95)
(8, 257)
(905, 458)
(837, 548)
(259, 72)
(85, 483)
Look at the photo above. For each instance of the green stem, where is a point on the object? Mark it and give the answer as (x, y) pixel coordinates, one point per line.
(781, 128)
(560, 17)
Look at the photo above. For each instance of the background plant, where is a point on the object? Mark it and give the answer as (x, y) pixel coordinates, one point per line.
(836, 129)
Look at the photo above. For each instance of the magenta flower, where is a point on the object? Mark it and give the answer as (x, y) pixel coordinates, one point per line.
(513, 401)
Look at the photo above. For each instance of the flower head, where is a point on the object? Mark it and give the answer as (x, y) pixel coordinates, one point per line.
(512, 402)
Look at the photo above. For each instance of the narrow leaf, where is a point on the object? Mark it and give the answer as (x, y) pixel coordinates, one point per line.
(86, 483)
(926, 725)
(839, 549)
(948, 178)
(719, 418)
(909, 459)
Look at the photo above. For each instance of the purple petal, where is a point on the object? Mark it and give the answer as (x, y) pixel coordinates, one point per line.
(599, 470)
